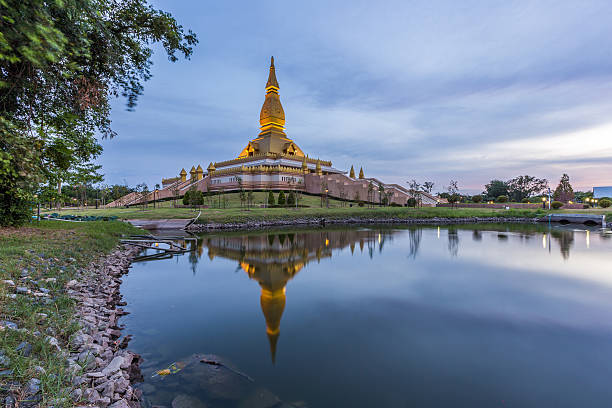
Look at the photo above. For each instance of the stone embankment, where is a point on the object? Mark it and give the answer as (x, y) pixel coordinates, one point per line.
(317, 221)
(109, 369)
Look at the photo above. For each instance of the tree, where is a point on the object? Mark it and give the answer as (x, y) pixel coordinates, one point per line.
(270, 198)
(428, 186)
(291, 198)
(381, 193)
(564, 191)
(453, 190)
(413, 190)
(61, 63)
(243, 196)
(281, 198)
(370, 198)
(495, 188)
(477, 198)
(525, 186)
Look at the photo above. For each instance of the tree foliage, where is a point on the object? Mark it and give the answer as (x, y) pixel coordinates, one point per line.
(495, 188)
(281, 198)
(61, 62)
(525, 186)
(564, 191)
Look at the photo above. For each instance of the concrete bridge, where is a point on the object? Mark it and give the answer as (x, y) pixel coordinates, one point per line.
(589, 219)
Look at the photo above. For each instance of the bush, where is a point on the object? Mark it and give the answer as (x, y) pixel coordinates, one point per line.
(271, 201)
(412, 202)
(525, 200)
(604, 203)
(395, 205)
(502, 199)
(291, 198)
(281, 198)
(477, 199)
(361, 204)
(586, 206)
(556, 205)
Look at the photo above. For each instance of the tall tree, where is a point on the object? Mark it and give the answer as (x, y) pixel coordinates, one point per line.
(495, 188)
(564, 191)
(428, 186)
(525, 186)
(61, 62)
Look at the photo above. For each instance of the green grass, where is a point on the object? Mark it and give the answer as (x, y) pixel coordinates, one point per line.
(48, 249)
(235, 213)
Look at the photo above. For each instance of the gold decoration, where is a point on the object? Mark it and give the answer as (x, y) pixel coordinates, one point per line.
(183, 175)
(352, 173)
(361, 176)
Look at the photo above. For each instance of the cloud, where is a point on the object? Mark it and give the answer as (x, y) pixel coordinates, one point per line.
(424, 89)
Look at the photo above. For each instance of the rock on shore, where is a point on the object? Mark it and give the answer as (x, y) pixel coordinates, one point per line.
(109, 368)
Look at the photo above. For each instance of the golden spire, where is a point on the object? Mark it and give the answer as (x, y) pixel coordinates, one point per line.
(183, 175)
(318, 168)
(361, 176)
(304, 165)
(272, 116)
(272, 82)
(273, 305)
(192, 172)
(352, 173)
(211, 168)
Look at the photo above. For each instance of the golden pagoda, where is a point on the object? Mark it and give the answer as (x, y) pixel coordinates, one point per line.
(272, 138)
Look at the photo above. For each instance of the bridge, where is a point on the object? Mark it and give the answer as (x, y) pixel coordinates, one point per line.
(589, 219)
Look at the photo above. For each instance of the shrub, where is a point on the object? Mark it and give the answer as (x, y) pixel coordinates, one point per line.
(502, 199)
(525, 200)
(271, 201)
(281, 198)
(361, 204)
(604, 203)
(556, 205)
(186, 198)
(586, 206)
(291, 198)
(477, 198)
(395, 205)
(412, 202)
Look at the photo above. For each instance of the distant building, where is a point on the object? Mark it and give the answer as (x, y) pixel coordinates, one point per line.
(604, 191)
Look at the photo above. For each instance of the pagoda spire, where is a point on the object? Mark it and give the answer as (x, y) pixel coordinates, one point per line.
(272, 116)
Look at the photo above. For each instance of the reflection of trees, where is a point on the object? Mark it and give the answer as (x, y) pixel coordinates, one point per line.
(565, 239)
(414, 234)
(453, 241)
(476, 235)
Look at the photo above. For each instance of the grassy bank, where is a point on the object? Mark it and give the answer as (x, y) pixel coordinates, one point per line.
(36, 262)
(237, 214)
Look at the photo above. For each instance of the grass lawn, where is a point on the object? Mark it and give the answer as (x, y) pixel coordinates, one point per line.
(39, 258)
(234, 212)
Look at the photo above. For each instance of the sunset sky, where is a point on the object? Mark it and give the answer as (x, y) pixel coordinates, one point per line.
(430, 90)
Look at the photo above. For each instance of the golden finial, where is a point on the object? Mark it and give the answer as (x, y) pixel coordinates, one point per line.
(361, 176)
(318, 168)
(352, 173)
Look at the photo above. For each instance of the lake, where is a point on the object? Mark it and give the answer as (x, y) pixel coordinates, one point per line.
(425, 316)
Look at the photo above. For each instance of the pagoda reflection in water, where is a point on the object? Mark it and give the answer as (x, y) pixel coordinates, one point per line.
(274, 259)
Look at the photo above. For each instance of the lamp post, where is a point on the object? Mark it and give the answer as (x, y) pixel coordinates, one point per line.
(549, 197)
(595, 201)
(155, 192)
(37, 207)
(326, 198)
(544, 202)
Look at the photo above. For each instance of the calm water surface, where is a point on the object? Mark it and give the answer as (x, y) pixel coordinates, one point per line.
(470, 316)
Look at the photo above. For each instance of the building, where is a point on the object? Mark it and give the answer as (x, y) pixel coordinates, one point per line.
(273, 161)
(601, 192)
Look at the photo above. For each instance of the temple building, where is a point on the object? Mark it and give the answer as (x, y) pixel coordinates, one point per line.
(274, 161)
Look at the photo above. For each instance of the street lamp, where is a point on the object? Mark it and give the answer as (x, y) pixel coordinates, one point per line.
(326, 198)
(544, 202)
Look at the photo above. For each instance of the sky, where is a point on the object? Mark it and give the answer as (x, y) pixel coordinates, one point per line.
(427, 90)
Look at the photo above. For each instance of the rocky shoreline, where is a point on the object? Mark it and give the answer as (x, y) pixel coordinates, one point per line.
(108, 368)
(318, 221)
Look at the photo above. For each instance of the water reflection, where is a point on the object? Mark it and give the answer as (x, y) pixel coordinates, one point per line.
(505, 304)
(274, 259)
